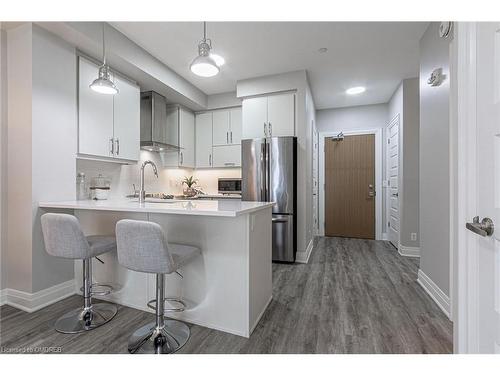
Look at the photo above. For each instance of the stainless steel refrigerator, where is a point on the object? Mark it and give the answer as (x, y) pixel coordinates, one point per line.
(269, 174)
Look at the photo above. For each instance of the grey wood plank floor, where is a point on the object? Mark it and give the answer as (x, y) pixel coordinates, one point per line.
(354, 296)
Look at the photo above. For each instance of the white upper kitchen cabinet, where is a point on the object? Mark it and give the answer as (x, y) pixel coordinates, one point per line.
(281, 115)
(203, 127)
(221, 127)
(235, 121)
(227, 156)
(108, 125)
(126, 113)
(254, 115)
(95, 115)
(186, 138)
(269, 116)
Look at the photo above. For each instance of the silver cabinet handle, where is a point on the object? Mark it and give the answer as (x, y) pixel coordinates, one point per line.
(112, 146)
(117, 146)
(210, 159)
(227, 163)
(270, 129)
(182, 158)
(265, 130)
(231, 136)
(227, 137)
(484, 228)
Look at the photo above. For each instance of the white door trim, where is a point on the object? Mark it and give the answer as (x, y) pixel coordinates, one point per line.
(465, 276)
(387, 190)
(378, 177)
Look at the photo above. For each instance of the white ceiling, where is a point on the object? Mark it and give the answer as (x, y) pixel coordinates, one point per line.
(377, 55)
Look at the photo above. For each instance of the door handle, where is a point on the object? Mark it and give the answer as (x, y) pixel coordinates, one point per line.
(279, 220)
(485, 228)
(117, 146)
(112, 146)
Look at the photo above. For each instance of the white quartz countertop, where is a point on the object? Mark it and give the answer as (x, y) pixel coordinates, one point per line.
(226, 207)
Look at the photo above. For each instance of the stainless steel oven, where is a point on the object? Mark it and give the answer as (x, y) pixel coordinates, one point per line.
(229, 186)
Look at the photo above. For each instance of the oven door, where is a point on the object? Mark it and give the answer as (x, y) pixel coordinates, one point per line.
(283, 238)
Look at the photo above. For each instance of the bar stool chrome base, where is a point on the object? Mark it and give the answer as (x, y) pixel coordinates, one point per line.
(85, 319)
(150, 339)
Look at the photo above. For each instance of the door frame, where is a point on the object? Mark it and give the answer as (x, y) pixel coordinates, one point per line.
(378, 176)
(463, 252)
(387, 191)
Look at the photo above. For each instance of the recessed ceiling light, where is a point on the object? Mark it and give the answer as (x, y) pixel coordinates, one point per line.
(355, 90)
(323, 50)
(219, 60)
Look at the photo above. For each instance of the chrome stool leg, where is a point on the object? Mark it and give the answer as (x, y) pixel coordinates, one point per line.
(89, 316)
(163, 336)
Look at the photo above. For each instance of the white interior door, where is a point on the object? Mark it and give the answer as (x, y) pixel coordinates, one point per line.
(393, 180)
(485, 249)
(315, 180)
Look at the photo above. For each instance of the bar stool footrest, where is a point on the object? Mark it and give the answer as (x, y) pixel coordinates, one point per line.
(152, 305)
(100, 289)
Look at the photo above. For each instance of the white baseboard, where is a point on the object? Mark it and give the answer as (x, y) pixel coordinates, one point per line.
(30, 302)
(408, 251)
(3, 297)
(441, 299)
(385, 237)
(303, 256)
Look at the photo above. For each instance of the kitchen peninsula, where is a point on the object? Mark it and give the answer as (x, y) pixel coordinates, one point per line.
(227, 288)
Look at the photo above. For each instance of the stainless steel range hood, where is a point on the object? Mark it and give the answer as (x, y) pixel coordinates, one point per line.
(159, 128)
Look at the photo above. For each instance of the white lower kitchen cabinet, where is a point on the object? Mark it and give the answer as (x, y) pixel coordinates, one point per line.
(226, 156)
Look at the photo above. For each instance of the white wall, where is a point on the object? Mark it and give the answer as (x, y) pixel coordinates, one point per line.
(304, 114)
(224, 100)
(19, 209)
(3, 158)
(435, 161)
(54, 135)
(357, 118)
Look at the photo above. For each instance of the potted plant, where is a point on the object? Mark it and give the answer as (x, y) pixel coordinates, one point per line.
(189, 190)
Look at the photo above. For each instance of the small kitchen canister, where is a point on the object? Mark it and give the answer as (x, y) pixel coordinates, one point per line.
(100, 188)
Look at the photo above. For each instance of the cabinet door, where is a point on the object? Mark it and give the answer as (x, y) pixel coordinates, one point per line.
(126, 120)
(254, 117)
(95, 114)
(186, 139)
(203, 140)
(221, 127)
(227, 156)
(235, 129)
(281, 115)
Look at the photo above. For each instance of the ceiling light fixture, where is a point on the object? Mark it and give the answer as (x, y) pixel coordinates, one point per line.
(205, 65)
(103, 83)
(355, 90)
(323, 50)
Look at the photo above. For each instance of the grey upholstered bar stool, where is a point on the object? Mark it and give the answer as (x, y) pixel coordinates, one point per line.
(64, 238)
(143, 246)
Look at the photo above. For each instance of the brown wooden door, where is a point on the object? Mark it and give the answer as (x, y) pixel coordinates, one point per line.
(350, 187)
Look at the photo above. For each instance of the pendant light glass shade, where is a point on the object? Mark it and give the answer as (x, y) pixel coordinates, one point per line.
(204, 64)
(103, 83)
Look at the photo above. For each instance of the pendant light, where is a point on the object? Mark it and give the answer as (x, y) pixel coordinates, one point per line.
(204, 64)
(103, 83)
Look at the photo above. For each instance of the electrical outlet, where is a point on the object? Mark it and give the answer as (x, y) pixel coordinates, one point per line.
(413, 236)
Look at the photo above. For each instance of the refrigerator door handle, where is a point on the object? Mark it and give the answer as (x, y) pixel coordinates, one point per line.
(267, 168)
(263, 172)
(265, 129)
